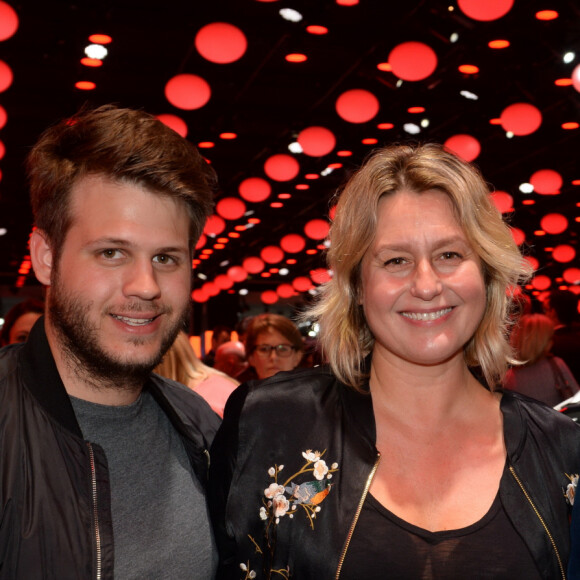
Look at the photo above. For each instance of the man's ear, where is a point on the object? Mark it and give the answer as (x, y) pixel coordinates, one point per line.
(41, 256)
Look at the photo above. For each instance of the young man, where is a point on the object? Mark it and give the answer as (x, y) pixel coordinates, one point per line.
(103, 465)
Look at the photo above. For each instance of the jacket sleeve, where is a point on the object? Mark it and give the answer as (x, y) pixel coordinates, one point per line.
(224, 453)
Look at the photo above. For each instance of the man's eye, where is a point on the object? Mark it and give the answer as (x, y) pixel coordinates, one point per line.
(110, 253)
(164, 259)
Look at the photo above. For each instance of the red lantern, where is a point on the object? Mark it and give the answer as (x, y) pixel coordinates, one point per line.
(320, 276)
(518, 236)
(564, 253)
(503, 201)
(174, 122)
(317, 229)
(254, 189)
(223, 282)
(576, 78)
(198, 295)
(214, 225)
(231, 208)
(292, 243)
(281, 167)
(237, 273)
(521, 118)
(464, 146)
(211, 289)
(253, 265)
(316, 141)
(285, 291)
(201, 242)
(554, 223)
(221, 42)
(8, 21)
(272, 254)
(572, 275)
(541, 282)
(485, 10)
(412, 61)
(269, 297)
(6, 76)
(302, 284)
(357, 106)
(546, 182)
(187, 92)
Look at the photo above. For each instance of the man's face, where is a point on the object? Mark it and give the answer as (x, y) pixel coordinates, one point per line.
(120, 291)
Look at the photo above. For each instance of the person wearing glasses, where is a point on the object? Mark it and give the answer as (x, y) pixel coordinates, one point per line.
(273, 344)
(402, 458)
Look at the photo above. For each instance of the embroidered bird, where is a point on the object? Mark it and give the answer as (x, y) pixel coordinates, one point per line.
(311, 492)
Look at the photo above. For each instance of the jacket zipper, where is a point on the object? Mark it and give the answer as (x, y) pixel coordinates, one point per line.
(357, 514)
(562, 571)
(95, 512)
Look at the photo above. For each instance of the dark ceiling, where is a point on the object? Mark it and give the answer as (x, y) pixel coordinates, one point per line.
(267, 101)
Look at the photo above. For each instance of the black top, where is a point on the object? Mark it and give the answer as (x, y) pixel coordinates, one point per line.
(385, 546)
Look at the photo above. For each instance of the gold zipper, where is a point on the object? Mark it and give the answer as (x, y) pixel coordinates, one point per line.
(95, 512)
(357, 514)
(562, 571)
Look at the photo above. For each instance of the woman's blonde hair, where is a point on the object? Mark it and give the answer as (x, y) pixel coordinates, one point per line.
(532, 337)
(345, 337)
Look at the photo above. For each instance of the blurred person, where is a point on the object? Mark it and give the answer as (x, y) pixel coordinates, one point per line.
(230, 358)
(543, 377)
(273, 344)
(219, 335)
(103, 464)
(562, 307)
(19, 320)
(395, 461)
(181, 364)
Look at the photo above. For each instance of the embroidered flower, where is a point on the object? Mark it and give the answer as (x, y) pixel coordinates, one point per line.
(273, 490)
(263, 513)
(311, 455)
(320, 469)
(570, 492)
(280, 505)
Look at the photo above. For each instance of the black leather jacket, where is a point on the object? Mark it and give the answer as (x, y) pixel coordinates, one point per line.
(55, 518)
(269, 428)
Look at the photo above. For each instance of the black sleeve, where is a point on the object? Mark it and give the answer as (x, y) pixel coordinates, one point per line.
(224, 453)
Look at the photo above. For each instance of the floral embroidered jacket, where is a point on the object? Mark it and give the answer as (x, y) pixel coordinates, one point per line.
(295, 456)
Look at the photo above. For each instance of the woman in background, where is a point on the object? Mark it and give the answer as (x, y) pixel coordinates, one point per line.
(542, 376)
(19, 320)
(182, 365)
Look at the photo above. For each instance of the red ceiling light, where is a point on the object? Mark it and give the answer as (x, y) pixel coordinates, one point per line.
(311, 176)
(228, 135)
(369, 141)
(320, 276)
(254, 220)
(296, 57)
(316, 29)
(528, 202)
(284, 196)
(344, 153)
(302, 284)
(485, 11)
(207, 251)
(302, 186)
(272, 254)
(198, 295)
(576, 78)
(384, 126)
(498, 44)
(570, 125)
(334, 165)
(554, 223)
(269, 297)
(503, 201)
(231, 208)
(357, 106)
(292, 243)
(563, 82)
(317, 229)
(311, 252)
(496, 121)
(6, 76)
(8, 21)
(92, 62)
(3, 117)
(187, 91)
(572, 275)
(541, 282)
(564, 253)
(276, 204)
(385, 66)
(201, 242)
(285, 291)
(416, 110)
(254, 189)
(539, 233)
(85, 85)
(518, 235)
(206, 145)
(223, 282)
(237, 273)
(281, 167)
(211, 289)
(100, 38)
(253, 265)
(240, 228)
(214, 225)
(347, 2)
(413, 61)
(521, 118)
(464, 146)
(174, 122)
(533, 262)
(221, 42)
(546, 182)
(468, 69)
(291, 261)
(316, 141)
(547, 15)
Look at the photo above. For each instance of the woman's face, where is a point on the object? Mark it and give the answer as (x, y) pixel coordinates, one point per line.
(21, 328)
(272, 363)
(423, 290)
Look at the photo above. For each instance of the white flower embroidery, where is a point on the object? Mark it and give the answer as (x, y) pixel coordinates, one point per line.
(263, 513)
(271, 472)
(280, 504)
(273, 490)
(320, 469)
(570, 492)
(311, 455)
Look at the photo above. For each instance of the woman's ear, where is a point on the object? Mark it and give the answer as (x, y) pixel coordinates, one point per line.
(41, 256)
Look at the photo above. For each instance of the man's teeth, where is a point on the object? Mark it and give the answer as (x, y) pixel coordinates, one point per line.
(426, 315)
(133, 321)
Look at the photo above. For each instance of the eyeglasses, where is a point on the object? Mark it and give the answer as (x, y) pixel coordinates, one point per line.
(283, 350)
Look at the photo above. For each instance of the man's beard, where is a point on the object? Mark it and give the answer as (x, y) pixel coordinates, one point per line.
(79, 338)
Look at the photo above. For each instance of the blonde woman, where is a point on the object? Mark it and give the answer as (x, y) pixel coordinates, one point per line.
(544, 377)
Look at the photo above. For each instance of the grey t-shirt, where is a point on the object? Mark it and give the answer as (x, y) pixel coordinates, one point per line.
(160, 521)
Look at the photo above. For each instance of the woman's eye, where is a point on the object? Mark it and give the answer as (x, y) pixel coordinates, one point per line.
(450, 255)
(395, 262)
